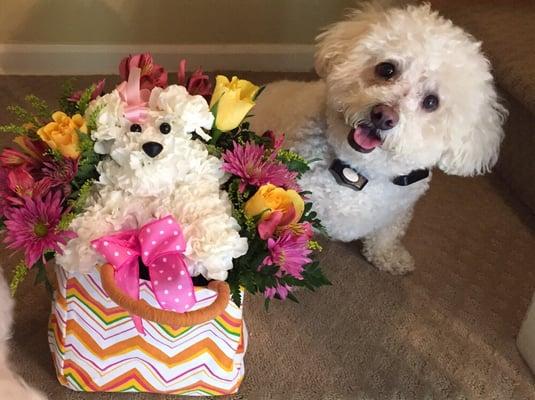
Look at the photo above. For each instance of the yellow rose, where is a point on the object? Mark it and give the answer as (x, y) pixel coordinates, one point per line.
(270, 198)
(62, 133)
(234, 100)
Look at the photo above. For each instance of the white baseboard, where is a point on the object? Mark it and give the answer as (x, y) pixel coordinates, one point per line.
(62, 59)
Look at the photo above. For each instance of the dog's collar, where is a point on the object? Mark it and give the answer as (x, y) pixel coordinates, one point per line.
(349, 177)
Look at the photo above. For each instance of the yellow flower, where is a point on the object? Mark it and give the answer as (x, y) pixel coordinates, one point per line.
(62, 133)
(270, 198)
(234, 100)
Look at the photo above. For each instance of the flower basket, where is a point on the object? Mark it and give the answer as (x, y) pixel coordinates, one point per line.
(96, 347)
(161, 208)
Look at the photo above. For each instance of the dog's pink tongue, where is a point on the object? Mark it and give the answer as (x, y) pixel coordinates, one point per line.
(363, 137)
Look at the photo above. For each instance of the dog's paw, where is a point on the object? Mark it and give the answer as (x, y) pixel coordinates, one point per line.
(395, 260)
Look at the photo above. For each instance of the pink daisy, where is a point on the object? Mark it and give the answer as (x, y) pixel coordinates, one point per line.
(250, 163)
(290, 252)
(61, 173)
(33, 227)
(280, 291)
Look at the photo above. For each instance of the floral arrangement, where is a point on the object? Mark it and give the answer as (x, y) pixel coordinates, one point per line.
(48, 180)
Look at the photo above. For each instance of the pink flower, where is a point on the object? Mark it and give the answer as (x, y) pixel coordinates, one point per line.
(290, 252)
(4, 192)
(33, 227)
(275, 141)
(250, 163)
(198, 83)
(61, 173)
(21, 183)
(303, 229)
(97, 91)
(32, 155)
(152, 75)
(279, 291)
(17, 183)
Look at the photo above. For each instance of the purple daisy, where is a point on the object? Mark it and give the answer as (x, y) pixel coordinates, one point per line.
(290, 252)
(33, 227)
(250, 163)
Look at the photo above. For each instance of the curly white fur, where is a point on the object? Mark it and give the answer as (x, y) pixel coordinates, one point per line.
(182, 180)
(461, 137)
(12, 387)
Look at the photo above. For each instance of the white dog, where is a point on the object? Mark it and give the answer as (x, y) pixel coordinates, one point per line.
(12, 387)
(152, 169)
(401, 91)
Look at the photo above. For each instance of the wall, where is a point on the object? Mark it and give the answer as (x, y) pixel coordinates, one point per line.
(279, 32)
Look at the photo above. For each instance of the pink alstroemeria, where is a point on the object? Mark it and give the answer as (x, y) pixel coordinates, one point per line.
(32, 155)
(22, 184)
(198, 83)
(152, 74)
(97, 91)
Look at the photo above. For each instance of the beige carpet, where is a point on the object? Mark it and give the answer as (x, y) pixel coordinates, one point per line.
(446, 331)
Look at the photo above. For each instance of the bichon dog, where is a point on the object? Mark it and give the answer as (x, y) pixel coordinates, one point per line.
(12, 387)
(152, 169)
(402, 91)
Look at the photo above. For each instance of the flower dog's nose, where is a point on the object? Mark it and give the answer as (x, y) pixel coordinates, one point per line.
(384, 117)
(152, 149)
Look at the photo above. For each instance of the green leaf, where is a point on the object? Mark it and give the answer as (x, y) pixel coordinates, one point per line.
(292, 297)
(259, 92)
(266, 304)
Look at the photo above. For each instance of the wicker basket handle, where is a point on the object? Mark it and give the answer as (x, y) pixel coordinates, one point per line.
(144, 310)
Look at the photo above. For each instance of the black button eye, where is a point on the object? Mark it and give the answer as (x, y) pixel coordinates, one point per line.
(430, 102)
(165, 128)
(135, 128)
(385, 70)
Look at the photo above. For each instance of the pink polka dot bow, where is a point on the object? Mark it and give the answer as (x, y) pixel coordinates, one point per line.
(160, 244)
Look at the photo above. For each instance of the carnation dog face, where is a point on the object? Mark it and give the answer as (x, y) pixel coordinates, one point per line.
(406, 90)
(152, 155)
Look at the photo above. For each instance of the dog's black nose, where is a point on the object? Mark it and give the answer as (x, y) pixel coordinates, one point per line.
(152, 149)
(384, 117)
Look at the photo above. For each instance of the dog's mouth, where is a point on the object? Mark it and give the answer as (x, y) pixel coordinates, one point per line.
(364, 138)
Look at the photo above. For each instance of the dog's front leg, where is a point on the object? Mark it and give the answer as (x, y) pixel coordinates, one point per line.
(384, 249)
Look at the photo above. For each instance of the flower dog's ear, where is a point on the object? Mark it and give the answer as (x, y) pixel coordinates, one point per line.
(335, 42)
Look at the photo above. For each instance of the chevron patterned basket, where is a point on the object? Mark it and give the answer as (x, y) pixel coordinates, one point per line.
(96, 347)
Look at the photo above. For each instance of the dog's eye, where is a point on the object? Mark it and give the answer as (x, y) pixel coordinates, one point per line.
(135, 128)
(385, 70)
(430, 102)
(165, 128)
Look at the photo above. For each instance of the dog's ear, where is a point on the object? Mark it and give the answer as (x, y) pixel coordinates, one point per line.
(333, 44)
(473, 148)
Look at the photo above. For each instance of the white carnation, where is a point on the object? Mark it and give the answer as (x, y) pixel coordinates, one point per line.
(182, 180)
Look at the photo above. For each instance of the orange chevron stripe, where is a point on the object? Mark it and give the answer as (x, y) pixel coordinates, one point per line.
(110, 315)
(132, 379)
(53, 326)
(137, 343)
(107, 314)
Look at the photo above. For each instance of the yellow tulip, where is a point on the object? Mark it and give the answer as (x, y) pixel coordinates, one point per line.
(234, 100)
(270, 198)
(62, 133)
